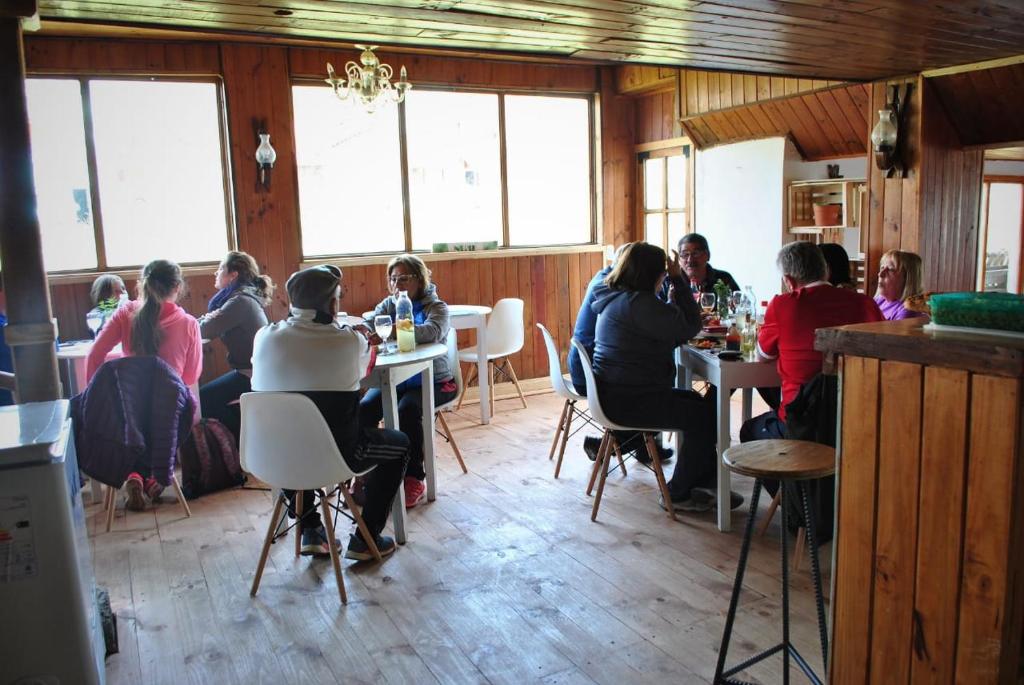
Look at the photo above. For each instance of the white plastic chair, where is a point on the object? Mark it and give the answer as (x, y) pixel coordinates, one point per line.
(564, 390)
(453, 364)
(608, 442)
(286, 443)
(505, 333)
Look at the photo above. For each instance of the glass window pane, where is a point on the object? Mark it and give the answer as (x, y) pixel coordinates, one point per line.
(676, 181)
(159, 169)
(654, 229)
(350, 179)
(547, 143)
(654, 180)
(676, 226)
(454, 167)
(61, 174)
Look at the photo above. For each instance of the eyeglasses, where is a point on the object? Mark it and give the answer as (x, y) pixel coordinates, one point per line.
(404, 278)
(684, 255)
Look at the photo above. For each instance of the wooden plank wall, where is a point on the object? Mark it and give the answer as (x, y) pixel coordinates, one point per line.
(257, 80)
(928, 567)
(984, 104)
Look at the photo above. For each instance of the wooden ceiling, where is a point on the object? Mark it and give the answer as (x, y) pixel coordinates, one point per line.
(830, 39)
(986, 106)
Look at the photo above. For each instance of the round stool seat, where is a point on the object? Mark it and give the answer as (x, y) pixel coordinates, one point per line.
(781, 459)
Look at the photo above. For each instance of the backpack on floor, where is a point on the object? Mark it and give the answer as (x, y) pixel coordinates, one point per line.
(209, 460)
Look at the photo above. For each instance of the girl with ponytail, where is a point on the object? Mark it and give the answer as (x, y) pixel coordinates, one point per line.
(235, 313)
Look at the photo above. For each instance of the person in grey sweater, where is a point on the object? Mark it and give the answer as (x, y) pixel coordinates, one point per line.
(234, 315)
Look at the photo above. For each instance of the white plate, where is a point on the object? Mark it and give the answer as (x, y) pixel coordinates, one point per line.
(996, 332)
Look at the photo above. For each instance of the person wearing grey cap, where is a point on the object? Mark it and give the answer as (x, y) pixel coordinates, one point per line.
(311, 354)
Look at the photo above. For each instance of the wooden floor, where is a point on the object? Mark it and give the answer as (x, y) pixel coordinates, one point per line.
(504, 580)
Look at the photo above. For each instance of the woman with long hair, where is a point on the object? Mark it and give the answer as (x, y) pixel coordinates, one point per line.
(107, 294)
(234, 314)
(152, 325)
(899, 277)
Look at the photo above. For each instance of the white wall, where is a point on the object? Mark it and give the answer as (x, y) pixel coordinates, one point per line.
(1002, 167)
(738, 208)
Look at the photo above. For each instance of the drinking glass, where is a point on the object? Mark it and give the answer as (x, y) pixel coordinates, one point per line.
(382, 326)
(707, 303)
(734, 300)
(94, 322)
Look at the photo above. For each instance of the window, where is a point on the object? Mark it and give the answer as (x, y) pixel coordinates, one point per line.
(443, 167)
(127, 171)
(665, 184)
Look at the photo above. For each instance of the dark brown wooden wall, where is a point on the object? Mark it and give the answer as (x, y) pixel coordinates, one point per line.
(984, 105)
(257, 80)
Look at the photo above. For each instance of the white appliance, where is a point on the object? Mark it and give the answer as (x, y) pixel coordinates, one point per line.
(50, 632)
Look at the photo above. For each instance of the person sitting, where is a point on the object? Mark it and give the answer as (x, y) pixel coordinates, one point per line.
(586, 322)
(234, 314)
(107, 293)
(408, 273)
(838, 263)
(899, 277)
(311, 354)
(634, 367)
(694, 254)
(153, 325)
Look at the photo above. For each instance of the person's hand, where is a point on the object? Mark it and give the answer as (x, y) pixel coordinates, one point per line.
(370, 336)
(672, 265)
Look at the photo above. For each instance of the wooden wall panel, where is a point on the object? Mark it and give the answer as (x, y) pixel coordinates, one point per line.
(618, 164)
(69, 56)
(984, 105)
(725, 90)
(654, 117)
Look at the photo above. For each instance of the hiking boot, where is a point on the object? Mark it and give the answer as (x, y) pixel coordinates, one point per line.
(314, 543)
(591, 446)
(415, 492)
(735, 498)
(153, 489)
(698, 501)
(360, 551)
(133, 490)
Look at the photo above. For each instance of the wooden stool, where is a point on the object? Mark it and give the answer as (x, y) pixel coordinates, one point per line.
(783, 460)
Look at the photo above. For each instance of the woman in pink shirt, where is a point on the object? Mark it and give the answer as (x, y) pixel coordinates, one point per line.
(152, 325)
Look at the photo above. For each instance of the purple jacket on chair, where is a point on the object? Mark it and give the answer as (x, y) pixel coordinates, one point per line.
(135, 413)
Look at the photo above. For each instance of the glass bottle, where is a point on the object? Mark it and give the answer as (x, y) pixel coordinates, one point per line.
(732, 338)
(404, 323)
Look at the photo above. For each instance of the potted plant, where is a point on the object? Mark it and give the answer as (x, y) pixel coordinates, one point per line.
(826, 214)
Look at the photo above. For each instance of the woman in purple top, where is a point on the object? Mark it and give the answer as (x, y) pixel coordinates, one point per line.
(899, 277)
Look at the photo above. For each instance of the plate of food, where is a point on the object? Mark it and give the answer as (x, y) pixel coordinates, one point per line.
(705, 344)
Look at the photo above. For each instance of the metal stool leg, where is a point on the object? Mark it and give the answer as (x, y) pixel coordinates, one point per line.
(812, 543)
(738, 583)
(785, 589)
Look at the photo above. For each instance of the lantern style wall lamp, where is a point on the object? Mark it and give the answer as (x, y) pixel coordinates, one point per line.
(266, 155)
(886, 137)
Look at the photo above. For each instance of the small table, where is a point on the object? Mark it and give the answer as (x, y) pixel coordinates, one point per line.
(726, 376)
(389, 371)
(465, 316)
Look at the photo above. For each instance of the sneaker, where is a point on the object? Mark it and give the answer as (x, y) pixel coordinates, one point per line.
(591, 446)
(314, 543)
(360, 551)
(133, 489)
(697, 502)
(415, 492)
(664, 453)
(735, 498)
(152, 488)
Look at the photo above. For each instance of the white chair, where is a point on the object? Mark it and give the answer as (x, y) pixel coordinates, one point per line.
(505, 335)
(110, 501)
(286, 443)
(564, 390)
(453, 364)
(608, 442)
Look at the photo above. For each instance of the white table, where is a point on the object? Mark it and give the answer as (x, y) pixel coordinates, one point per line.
(726, 376)
(465, 316)
(389, 371)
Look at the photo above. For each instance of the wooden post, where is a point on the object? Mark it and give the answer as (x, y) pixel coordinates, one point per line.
(30, 330)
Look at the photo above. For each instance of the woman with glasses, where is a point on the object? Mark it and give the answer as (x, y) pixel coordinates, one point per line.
(899, 277)
(408, 273)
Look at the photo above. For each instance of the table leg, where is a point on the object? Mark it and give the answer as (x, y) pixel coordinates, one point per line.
(481, 371)
(389, 398)
(427, 400)
(724, 511)
(684, 380)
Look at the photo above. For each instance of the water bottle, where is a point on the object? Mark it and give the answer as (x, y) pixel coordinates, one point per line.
(404, 323)
(748, 293)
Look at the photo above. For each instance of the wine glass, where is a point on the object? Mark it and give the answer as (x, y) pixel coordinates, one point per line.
(707, 303)
(382, 326)
(94, 321)
(734, 300)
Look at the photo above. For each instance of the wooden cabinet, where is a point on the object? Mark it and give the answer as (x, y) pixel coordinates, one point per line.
(929, 569)
(803, 195)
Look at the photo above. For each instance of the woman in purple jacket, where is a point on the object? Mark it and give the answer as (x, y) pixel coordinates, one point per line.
(899, 277)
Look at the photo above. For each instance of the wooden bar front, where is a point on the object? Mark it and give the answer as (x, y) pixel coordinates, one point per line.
(928, 564)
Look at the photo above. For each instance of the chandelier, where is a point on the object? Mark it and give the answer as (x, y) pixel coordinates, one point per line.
(371, 81)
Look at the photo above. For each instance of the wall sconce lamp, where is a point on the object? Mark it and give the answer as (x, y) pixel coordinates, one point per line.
(885, 136)
(266, 155)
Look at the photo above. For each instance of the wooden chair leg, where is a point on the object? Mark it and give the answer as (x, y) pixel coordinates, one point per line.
(655, 455)
(363, 530)
(451, 440)
(515, 381)
(298, 522)
(181, 496)
(490, 386)
(622, 462)
(558, 431)
(597, 461)
(566, 428)
(605, 462)
(111, 505)
(333, 546)
(465, 385)
(771, 512)
(798, 551)
(275, 519)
